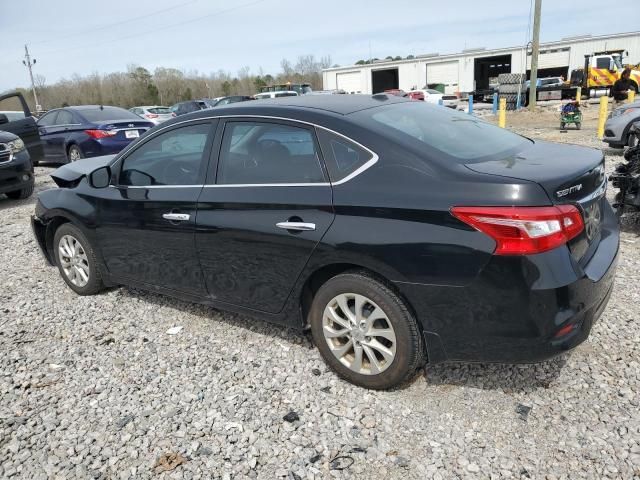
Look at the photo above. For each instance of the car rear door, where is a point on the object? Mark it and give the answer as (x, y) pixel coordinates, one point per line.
(262, 213)
(25, 127)
(147, 218)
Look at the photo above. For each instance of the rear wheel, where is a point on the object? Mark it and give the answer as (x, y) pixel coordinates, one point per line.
(21, 194)
(74, 154)
(562, 126)
(578, 125)
(364, 332)
(76, 260)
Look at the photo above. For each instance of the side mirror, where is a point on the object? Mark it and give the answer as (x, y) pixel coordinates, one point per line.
(100, 178)
(3, 119)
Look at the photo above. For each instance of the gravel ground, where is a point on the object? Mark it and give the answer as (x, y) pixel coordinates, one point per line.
(94, 387)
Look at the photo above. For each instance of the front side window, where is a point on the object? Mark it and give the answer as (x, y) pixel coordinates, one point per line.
(342, 156)
(266, 153)
(603, 62)
(171, 158)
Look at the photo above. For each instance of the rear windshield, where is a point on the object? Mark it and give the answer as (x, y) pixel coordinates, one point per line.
(160, 110)
(107, 114)
(438, 130)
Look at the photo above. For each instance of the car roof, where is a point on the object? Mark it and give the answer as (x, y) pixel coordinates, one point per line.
(90, 107)
(338, 104)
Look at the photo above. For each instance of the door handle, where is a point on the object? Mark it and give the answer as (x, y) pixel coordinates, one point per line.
(300, 226)
(176, 217)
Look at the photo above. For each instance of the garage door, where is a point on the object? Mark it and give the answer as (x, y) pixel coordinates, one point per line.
(350, 82)
(551, 59)
(444, 72)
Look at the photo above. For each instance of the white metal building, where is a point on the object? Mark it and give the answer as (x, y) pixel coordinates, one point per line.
(473, 69)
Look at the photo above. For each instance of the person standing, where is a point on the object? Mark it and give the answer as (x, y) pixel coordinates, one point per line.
(621, 87)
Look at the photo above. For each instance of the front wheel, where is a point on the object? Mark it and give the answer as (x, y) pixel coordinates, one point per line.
(364, 332)
(76, 260)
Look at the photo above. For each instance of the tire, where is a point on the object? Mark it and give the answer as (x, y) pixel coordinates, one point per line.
(562, 126)
(513, 98)
(632, 141)
(401, 331)
(511, 78)
(578, 125)
(74, 154)
(84, 259)
(503, 89)
(21, 194)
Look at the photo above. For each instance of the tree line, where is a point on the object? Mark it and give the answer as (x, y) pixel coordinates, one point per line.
(166, 86)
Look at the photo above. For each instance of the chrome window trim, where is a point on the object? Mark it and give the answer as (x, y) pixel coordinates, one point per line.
(374, 159)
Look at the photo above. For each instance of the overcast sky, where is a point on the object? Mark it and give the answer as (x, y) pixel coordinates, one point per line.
(80, 36)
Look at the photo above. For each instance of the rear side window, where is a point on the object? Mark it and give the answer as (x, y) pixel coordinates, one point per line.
(171, 158)
(264, 153)
(64, 118)
(342, 156)
(48, 119)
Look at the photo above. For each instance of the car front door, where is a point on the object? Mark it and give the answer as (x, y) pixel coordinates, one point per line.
(147, 218)
(261, 216)
(20, 122)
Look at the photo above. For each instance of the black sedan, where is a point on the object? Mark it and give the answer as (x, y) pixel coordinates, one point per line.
(397, 231)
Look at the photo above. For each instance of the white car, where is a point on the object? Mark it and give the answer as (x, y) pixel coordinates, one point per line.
(434, 96)
(282, 93)
(155, 114)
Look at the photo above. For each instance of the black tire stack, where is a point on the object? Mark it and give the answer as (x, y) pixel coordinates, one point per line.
(509, 86)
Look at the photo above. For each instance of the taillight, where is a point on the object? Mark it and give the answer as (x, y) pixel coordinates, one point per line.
(524, 230)
(151, 115)
(100, 133)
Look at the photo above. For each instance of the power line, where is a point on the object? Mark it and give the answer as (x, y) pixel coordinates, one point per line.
(159, 28)
(115, 24)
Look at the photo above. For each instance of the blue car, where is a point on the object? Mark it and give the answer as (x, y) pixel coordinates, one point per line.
(71, 133)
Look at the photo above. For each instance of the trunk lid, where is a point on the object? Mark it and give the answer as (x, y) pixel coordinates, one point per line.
(124, 126)
(569, 174)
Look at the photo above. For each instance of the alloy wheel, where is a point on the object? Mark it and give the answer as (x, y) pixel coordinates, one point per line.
(73, 260)
(359, 334)
(74, 154)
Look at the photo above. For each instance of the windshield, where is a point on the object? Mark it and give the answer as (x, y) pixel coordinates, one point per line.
(107, 114)
(160, 110)
(306, 89)
(443, 131)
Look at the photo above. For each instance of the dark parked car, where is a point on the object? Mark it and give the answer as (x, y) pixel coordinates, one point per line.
(15, 117)
(394, 229)
(182, 108)
(71, 133)
(16, 170)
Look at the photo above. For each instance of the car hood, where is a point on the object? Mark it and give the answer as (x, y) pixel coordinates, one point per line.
(74, 171)
(7, 136)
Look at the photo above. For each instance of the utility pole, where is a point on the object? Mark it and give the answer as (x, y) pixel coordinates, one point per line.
(535, 51)
(29, 63)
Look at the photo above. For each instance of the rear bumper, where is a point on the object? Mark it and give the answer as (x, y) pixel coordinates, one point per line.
(17, 174)
(519, 309)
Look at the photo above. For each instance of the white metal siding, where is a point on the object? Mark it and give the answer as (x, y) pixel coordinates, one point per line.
(552, 59)
(350, 82)
(444, 72)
